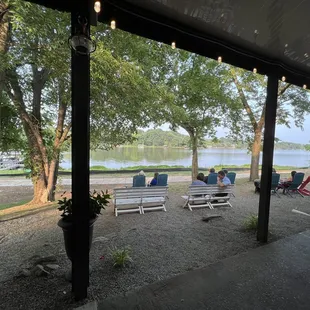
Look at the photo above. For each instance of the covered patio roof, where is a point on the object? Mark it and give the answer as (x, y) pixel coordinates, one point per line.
(270, 36)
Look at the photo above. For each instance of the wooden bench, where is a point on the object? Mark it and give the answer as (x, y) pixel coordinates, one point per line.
(139, 199)
(204, 196)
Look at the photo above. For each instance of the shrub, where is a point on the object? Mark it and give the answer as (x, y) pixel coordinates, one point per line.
(251, 223)
(121, 256)
(97, 202)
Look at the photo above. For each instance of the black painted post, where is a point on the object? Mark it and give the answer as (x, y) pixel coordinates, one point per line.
(80, 77)
(268, 147)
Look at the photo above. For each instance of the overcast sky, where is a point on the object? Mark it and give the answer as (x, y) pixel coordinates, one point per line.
(295, 134)
(283, 133)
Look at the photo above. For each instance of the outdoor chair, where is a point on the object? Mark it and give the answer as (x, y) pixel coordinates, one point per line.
(275, 183)
(302, 190)
(212, 178)
(297, 181)
(162, 180)
(232, 177)
(138, 181)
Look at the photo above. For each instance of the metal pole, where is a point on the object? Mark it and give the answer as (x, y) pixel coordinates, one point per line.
(268, 148)
(80, 77)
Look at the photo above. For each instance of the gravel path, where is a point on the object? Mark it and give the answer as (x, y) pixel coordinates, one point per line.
(163, 244)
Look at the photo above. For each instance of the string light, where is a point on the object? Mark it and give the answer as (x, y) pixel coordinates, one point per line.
(97, 6)
(113, 24)
(283, 78)
(173, 45)
(254, 70)
(219, 59)
(305, 86)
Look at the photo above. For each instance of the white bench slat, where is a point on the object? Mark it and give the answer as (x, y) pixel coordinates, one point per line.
(147, 198)
(205, 196)
(129, 201)
(153, 200)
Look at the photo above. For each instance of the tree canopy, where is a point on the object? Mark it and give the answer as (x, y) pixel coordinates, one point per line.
(36, 87)
(247, 113)
(200, 97)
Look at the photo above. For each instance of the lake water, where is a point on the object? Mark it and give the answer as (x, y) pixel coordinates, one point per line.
(122, 157)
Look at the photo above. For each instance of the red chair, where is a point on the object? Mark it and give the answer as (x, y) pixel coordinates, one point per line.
(302, 190)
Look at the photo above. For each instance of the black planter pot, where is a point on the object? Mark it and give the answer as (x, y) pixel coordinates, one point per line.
(67, 231)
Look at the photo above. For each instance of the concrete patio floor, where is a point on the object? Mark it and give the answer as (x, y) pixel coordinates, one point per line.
(274, 276)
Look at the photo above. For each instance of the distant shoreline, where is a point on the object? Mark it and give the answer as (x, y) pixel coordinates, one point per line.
(159, 168)
(200, 148)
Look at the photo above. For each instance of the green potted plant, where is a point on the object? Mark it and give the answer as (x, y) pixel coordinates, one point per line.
(97, 202)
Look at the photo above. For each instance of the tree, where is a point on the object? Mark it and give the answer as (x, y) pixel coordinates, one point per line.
(4, 33)
(10, 138)
(37, 85)
(37, 80)
(200, 97)
(247, 115)
(123, 95)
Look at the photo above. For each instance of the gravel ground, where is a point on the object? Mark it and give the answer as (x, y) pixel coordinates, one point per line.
(9, 194)
(163, 244)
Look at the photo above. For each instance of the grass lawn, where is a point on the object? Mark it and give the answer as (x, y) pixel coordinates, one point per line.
(13, 204)
(135, 169)
(14, 171)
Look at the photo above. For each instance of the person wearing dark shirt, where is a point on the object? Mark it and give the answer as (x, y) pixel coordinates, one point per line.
(288, 182)
(154, 180)
(257, 182)
(212, 170)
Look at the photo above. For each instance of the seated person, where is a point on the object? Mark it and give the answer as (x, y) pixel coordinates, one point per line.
(141, 173)
(257, 182)
(225, 171)
(286, 183)
(292, 176)
(212, 170)
(222, 181)
(154, 180)
(199, 181)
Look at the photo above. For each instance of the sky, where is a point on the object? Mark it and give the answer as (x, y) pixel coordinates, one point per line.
(283, 133)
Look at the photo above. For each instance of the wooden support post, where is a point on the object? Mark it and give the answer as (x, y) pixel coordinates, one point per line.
(268, 148)
(80, 77)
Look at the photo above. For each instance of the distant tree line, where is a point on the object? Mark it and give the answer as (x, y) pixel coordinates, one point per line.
(159, 137)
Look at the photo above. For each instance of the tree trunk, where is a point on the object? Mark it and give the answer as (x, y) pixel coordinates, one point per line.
(4, 26)
(194, 141)
(52, 179)
(39, 190)
(4, 37)
(45, 186)
(256, 147)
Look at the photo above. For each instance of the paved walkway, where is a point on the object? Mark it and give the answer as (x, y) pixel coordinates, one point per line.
(22, 181)
(275, 276)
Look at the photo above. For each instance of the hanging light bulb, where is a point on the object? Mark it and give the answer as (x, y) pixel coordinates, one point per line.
(219, 59)
(283, 78)
(173, 46)
(97, 6)
(305, 86)
(113, 24)
(254, 70)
